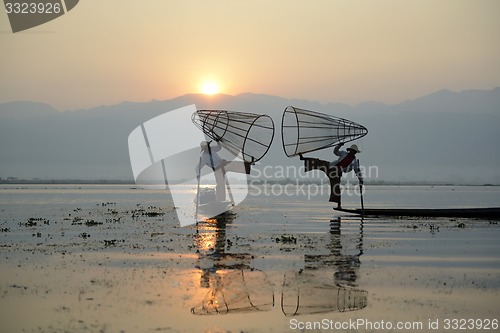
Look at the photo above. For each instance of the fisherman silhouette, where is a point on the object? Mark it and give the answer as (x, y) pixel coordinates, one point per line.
(209, 157)
(345, 163)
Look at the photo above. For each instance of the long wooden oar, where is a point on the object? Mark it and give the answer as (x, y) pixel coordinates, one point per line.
(362, 204)
(361, 196)
(197, 199)
(227, 186)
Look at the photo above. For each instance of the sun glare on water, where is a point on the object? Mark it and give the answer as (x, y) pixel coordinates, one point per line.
(210, 88)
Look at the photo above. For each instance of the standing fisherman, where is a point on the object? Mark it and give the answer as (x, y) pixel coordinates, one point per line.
(219, 166)
(346, 162)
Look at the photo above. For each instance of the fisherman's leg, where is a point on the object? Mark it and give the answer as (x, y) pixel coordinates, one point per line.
(315, 164)
(220, 188)
(334, 175)
(238, 167)
(335, 193)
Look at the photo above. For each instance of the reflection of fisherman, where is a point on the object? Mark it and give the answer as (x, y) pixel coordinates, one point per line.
(346, 162)
(233, 284)
(344, 255)
(310, 291)
(220, 166)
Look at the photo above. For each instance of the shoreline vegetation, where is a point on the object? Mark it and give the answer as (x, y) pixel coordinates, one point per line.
(38, 181)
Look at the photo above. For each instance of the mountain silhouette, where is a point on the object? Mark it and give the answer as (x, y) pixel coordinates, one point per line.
(444, 136)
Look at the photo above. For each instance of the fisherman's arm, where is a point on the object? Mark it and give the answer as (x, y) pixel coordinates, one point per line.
(336, 150)
(217, 147)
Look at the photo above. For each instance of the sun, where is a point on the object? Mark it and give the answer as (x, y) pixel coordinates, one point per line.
(210, 88)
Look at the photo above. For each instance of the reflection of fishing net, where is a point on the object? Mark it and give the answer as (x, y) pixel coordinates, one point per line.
(304, 131)
(237, 291)
(303, 293)
(248, 133)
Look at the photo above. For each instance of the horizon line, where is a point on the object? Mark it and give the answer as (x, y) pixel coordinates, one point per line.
(222, 94)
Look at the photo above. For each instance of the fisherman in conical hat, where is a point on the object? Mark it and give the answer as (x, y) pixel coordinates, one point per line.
(346, 162)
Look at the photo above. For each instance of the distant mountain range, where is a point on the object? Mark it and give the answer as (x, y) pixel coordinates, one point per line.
(445, 136)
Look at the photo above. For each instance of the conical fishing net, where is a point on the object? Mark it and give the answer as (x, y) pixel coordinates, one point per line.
(304, 293)
(246, 133)
(304, 131)
(237, 291)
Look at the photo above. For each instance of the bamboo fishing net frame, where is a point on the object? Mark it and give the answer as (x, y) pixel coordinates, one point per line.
(246, 133)
(217, 302)
(304, 131)
(347, 299)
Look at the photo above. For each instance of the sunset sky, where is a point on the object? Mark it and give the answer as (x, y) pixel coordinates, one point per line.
(106, 52)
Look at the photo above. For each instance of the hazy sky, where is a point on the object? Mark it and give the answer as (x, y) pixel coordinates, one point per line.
(105, 52)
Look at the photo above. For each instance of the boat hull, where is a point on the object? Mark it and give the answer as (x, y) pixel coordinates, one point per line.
(212, 209)
(492, 212)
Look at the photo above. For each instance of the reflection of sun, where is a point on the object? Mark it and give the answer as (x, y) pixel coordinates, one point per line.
(206, 238)
(210, 88)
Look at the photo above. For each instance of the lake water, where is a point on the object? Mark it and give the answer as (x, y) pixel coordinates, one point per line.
(113, 258)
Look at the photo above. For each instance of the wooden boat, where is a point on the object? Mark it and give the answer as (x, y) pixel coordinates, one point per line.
(491, 212)
(213, 209)
(209, 207)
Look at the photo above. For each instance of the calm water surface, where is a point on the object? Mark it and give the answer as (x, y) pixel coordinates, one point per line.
(276, 257)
